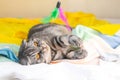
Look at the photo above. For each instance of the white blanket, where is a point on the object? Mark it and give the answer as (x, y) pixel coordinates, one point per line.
(60, 71)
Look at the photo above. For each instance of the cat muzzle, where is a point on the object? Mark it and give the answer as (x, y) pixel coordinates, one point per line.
(25, 61)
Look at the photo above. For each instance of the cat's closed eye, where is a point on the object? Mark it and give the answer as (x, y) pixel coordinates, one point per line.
(36, 44)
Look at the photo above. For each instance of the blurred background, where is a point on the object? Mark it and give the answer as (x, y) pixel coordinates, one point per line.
(41, 8)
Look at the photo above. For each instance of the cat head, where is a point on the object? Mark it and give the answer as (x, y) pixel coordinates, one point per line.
(34, 51)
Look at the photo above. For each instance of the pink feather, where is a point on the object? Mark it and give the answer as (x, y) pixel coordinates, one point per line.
(63, 17)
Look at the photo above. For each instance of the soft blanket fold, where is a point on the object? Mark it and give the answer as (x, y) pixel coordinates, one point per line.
(9, 54)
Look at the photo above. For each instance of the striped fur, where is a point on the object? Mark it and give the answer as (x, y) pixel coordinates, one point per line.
(47, 42)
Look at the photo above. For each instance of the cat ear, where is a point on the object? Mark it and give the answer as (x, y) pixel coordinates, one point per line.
(24, 42)
(23, 45)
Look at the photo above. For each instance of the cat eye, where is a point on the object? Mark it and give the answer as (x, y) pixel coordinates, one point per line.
(35, 43)
(37, 56)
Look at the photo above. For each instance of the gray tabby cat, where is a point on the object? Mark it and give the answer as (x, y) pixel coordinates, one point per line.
(48, 42)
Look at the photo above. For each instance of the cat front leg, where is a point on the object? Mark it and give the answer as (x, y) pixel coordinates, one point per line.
(45, 52)
(66, 40)
(71, 45)
(78, 53)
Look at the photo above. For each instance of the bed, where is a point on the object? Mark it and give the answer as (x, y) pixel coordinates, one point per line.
(102, 62)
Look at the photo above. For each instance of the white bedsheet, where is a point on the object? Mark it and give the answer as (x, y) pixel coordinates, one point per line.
(60, 71)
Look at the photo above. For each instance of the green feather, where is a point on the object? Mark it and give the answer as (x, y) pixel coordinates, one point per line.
(54, 14)
(46, 19)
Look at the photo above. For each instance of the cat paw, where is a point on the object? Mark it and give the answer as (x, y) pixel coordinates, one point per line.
(77, 54)
(44, 47)
(75, 41)
(46, 51)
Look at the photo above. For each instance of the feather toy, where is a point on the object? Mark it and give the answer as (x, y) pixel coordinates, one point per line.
(63, 17)
(55, 13)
